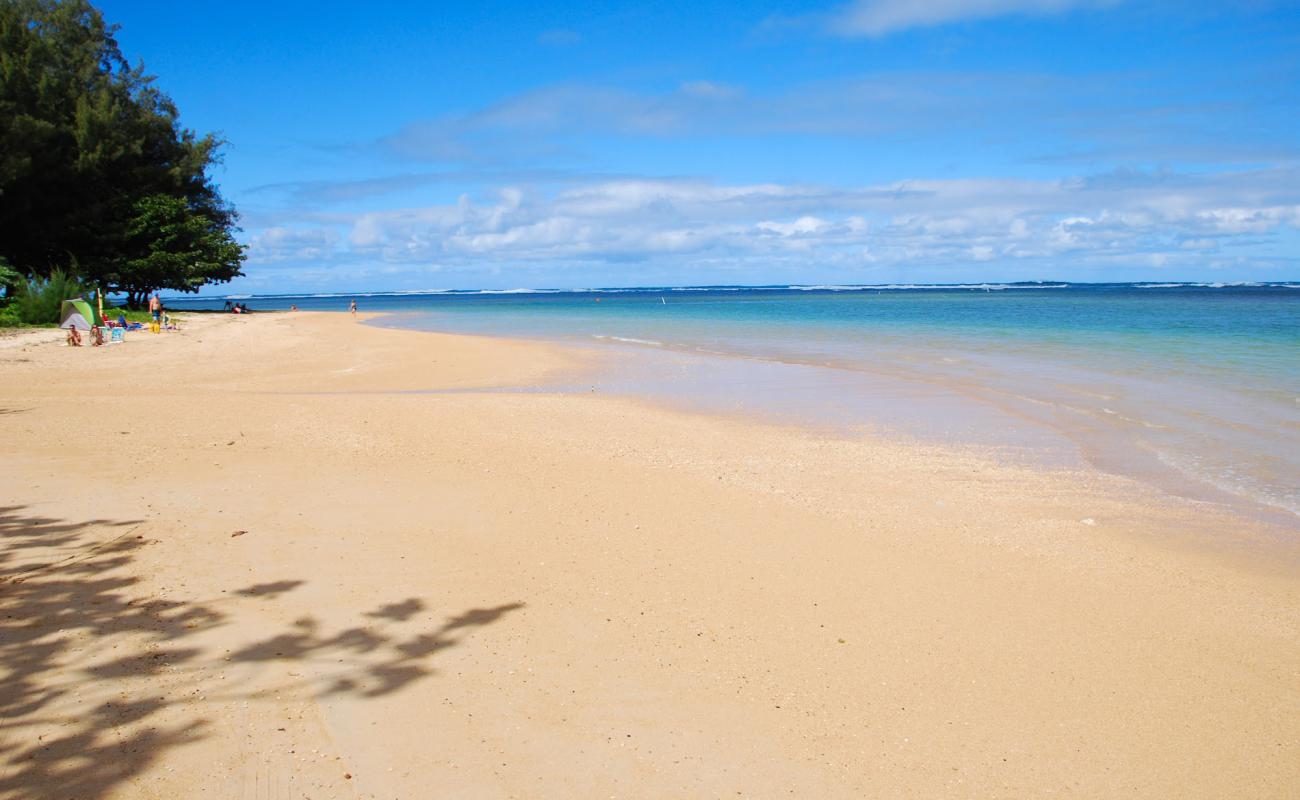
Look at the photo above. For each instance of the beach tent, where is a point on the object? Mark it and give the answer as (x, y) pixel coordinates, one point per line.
(78, 314)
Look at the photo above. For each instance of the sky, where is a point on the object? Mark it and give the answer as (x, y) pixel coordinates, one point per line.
(422, 145)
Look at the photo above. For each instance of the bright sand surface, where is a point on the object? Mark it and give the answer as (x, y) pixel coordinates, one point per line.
(292, 556)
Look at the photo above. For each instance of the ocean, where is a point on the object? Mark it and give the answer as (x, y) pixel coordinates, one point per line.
(1194, 387)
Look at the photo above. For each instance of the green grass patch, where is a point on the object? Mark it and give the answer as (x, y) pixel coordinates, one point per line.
(132, 315)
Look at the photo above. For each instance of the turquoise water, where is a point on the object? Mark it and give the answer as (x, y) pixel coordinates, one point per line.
(1193, 387)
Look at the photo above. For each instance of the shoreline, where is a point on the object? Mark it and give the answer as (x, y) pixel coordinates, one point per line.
(920, 409)
(377, 589)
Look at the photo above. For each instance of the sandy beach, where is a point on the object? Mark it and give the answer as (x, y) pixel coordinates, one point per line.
(297, 556)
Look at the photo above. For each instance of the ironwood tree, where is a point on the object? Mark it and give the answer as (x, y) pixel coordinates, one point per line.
(97, 175)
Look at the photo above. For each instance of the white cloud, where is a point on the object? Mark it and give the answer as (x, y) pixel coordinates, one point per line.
(1248, 220)
(882, 17)
(694, 224)
(284, 243)
(804, 226)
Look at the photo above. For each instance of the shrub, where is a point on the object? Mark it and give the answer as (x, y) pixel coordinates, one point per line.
(9, 278)
(38, 302)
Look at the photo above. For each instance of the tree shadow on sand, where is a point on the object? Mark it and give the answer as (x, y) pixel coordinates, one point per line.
(375, 663)
(77, 627)
(33, 543)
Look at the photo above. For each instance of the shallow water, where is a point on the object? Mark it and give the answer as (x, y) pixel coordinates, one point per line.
(1195, 388)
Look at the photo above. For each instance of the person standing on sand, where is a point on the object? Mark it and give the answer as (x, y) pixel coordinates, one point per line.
(155, 307)
(353, 308)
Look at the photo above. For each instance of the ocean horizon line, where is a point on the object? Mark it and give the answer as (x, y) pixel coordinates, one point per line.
(820, 287)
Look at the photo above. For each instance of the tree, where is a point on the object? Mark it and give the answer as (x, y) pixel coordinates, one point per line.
(92, 154)
(175, 246)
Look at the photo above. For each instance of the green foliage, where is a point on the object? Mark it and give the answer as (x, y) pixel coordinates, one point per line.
(88, 149)
(172, 245)
(9, 278)
(39, 301)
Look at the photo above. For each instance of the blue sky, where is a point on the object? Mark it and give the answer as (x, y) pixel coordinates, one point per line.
(411, 145)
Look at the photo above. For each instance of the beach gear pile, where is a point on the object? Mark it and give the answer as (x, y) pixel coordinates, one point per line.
(77, 315)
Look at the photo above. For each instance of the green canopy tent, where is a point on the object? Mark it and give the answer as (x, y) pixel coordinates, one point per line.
(80, 315)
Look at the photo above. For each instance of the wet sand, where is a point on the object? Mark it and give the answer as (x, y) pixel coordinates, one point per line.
(296, 556)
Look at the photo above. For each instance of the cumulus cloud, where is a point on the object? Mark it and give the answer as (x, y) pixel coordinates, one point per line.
(279, 243)
(1166, 218)
(883, 17)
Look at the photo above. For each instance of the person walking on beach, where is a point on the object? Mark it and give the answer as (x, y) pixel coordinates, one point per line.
(353, 308)
(155, 313)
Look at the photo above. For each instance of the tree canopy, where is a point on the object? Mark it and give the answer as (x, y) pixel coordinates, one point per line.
(97, 175)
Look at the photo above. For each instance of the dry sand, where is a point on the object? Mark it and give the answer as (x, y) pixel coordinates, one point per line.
(264, 558)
